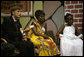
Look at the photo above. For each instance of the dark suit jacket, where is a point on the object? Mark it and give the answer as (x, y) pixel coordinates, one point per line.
(9, 29)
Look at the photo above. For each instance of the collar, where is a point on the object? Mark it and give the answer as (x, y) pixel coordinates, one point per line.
(14, 19)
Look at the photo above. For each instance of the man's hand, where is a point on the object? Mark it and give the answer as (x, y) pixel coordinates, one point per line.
(25, 39)
(26, 30)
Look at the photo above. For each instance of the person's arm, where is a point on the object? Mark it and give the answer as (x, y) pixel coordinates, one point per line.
(77, 32)
(21, 30)
(45, 27)
(60, 30)
(28, 28)
(37, 33)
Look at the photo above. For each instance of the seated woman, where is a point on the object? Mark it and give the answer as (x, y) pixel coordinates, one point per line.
(37, 35)
(71, 43)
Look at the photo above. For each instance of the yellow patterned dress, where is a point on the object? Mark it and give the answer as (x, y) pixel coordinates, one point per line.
(47, 46)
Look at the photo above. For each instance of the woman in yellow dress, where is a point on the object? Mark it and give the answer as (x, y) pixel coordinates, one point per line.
(37, 35)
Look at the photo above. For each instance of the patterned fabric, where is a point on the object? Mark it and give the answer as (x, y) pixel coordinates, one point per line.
(47, 46)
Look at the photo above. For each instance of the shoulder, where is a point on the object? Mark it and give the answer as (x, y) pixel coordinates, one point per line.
(63, 25)
(7, 18)
(7, 21)
(75, 27)
(44, 24)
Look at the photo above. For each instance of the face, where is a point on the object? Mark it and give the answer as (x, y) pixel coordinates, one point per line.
(70, 20)
(41, 18)
(17, 13)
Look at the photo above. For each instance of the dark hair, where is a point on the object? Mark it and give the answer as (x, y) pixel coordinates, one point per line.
(13, 8)
(38, 13)
(65, 17)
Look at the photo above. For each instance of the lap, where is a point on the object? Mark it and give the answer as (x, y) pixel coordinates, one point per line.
(7, 49)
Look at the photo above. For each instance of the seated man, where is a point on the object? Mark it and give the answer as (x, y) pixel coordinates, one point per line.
(12, 32)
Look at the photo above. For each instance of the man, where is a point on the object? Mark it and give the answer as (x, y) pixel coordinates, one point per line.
(12, 32)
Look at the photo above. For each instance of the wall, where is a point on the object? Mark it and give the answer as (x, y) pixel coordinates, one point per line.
(76, 8)
(53, 9)
(25, 20)
(38, 5)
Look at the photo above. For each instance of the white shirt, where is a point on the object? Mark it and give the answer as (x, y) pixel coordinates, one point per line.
(14, 19)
